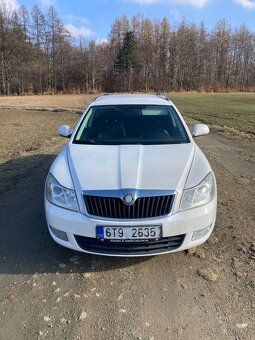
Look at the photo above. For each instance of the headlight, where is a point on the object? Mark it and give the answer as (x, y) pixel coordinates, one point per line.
(199, 195)
(59, 195)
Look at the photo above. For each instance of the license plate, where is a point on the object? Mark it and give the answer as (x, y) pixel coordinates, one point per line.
(129, 233)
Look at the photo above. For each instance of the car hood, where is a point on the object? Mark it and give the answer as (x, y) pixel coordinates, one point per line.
(113, 167)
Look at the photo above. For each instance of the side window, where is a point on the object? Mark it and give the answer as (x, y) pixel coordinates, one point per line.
(84, 123)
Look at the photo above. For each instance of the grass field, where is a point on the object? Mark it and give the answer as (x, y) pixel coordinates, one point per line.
(231, 110)
(234, 110)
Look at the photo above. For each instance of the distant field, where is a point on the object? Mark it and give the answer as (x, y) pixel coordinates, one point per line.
(232, 110)
(72, 101)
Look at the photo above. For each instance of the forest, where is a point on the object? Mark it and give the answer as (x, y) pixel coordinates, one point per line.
(38, 55)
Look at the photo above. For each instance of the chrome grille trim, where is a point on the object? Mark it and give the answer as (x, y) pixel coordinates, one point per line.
(136, 192)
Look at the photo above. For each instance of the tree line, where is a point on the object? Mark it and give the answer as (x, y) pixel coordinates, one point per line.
(39, 55)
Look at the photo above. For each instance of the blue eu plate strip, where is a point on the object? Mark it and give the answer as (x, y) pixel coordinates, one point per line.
(100, 233)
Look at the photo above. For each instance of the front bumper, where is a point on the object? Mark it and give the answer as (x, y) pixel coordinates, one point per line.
(78, 226)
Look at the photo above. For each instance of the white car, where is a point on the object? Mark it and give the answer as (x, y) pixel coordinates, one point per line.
(131, 181)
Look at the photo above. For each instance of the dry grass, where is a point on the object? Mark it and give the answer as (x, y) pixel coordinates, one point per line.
(25, 131)
(72, 101)
(28, 139)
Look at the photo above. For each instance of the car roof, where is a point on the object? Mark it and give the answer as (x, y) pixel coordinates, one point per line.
(131, 99)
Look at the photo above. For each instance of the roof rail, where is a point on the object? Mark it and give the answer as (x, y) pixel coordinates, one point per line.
(162, 96)
(101, 95)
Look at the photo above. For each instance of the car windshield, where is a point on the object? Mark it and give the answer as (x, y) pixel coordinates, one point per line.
(131, 124)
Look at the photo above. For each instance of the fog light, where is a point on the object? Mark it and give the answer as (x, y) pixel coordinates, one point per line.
(59, 234)
(201, 233)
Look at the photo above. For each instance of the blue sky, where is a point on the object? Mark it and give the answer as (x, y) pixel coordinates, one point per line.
(94, 18)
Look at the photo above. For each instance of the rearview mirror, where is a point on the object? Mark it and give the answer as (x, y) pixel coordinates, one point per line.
(65, 131)
(200, 130)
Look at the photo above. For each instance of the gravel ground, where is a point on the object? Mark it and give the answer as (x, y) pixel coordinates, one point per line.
(48, 292)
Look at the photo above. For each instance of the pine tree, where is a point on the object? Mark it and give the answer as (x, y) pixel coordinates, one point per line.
(125, 61)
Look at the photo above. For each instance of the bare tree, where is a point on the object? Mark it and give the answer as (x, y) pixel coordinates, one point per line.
(11, 48)
(38, 54)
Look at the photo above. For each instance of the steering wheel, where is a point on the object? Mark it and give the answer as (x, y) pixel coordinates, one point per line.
(157, 133)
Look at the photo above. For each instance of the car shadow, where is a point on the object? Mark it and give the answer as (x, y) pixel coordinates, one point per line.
(25, 244)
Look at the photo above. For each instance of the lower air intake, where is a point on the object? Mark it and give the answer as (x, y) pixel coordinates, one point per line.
(107, 247)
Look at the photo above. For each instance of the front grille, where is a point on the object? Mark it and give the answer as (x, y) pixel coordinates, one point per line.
(144, 207)
(129, 248)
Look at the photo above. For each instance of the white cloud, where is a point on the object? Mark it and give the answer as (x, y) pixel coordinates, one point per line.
(48, 3)
(102, 41)
(79, 31)
(246, 3)
(74, 19)
(10, 4)
(195, 3)
(175, 15)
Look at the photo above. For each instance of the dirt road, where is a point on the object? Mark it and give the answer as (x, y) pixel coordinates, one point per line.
(50, 292)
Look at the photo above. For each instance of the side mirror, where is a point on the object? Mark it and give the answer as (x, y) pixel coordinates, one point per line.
(200, 130)
(65, 131)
